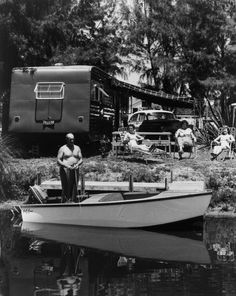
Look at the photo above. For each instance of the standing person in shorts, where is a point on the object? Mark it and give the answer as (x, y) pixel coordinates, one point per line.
(69, 158)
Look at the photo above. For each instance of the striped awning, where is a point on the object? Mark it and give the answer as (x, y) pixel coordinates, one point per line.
(158, 97)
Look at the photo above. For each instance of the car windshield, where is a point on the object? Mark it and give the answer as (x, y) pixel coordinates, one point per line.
(160, 115)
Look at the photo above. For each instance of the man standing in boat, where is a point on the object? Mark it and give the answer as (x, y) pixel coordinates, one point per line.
(69, 159)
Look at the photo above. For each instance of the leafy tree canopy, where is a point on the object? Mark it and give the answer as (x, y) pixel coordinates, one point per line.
(44, 32)
(172, 43)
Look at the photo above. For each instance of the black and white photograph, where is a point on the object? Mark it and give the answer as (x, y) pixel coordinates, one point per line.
(117, 147)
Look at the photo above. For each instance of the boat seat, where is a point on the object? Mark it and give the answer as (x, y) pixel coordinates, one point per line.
(103, 197)
(137, 195)
(38, 194)
(112, 197)
(93, 198)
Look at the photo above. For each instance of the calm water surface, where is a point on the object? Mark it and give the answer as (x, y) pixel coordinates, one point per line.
(60, 260)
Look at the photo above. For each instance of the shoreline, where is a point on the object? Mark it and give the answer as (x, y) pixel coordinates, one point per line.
(220, 176)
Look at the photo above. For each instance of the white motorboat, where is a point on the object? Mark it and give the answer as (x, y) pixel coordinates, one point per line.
(182, 201)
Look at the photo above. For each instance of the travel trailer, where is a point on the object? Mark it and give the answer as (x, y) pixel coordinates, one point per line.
(48, 102)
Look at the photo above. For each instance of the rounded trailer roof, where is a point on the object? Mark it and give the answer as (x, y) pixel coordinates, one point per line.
(78, 68)
(158, 97)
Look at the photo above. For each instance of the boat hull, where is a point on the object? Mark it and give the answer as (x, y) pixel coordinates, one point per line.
(161, 209)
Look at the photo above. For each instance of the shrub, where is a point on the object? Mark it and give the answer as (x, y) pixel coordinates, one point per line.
(94, 166)
(140, 175)
(224, 197)
(206, 135)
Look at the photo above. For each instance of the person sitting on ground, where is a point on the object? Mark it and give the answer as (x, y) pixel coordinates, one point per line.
(222, 142)
(134, 141)
(184, 137)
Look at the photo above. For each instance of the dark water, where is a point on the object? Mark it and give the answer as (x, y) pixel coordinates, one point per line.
(55, 260)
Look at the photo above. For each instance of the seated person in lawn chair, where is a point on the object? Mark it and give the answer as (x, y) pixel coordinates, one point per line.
(134, 142)
(185, 138)
(222, 142)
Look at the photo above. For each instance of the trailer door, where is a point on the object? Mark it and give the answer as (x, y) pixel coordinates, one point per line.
(49, 102)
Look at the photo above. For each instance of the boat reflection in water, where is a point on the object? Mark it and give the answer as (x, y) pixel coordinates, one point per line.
(133, 243)
(72, 260)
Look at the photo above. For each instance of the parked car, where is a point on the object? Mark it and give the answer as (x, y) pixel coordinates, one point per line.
(154, 121)
(138, 117)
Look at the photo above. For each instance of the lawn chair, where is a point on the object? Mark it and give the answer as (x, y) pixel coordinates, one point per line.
(233, 133)
(118, 146)
(155, 155)
(228, 152)
(192, 150)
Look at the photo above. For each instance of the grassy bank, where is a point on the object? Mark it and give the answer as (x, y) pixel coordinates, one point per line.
(219, 175)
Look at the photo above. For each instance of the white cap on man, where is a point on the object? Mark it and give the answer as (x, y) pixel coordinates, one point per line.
(70, 136)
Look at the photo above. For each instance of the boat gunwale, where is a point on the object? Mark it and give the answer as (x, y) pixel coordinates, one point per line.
(119, 202)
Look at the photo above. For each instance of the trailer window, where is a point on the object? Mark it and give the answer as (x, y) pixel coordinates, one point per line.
(50, 90)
